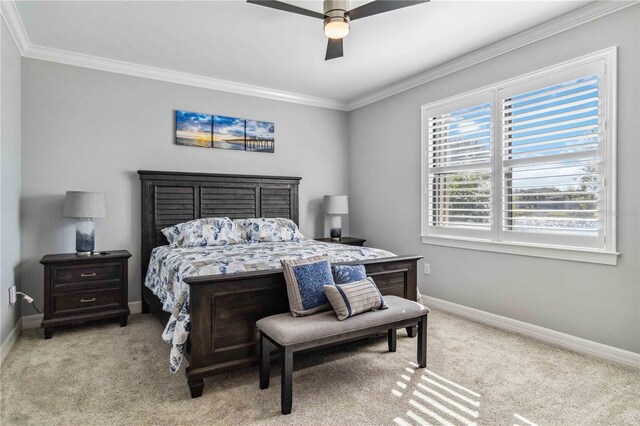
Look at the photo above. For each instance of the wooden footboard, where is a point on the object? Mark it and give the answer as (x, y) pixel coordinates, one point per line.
(225, 308)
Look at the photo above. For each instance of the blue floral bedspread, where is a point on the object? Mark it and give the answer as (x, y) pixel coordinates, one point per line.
(169, 266)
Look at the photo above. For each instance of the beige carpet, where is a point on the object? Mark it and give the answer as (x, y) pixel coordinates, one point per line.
(103, 374)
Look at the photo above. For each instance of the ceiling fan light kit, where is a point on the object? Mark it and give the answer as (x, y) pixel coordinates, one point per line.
(336, 21)
(336, 28)
(337, 17)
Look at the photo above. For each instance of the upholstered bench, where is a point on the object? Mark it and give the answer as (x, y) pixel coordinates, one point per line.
(291, 334)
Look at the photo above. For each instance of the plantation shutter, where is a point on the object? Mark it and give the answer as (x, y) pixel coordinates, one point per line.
(526, 166)
(458, 156)
(552, 147)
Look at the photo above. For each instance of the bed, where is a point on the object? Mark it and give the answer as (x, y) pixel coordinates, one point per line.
(225, 308)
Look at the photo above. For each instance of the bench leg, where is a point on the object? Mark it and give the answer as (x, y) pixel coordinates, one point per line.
(411, 331)
(422, 342)
(392, 338)
(264, 361)
(286, 391)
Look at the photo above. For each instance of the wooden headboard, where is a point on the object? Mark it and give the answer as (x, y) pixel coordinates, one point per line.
(169, 198)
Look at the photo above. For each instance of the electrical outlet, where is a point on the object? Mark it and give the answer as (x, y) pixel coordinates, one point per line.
(12, 295)
(427, 269)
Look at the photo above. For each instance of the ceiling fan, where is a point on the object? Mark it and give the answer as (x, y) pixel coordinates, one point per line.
(337, 17)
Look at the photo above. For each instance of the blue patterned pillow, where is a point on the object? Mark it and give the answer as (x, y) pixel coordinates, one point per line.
(343, 274)
(269, 229)
(211, 231)
(305, 280)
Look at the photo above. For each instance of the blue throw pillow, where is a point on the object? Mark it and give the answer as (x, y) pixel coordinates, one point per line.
(305, 280)
(343, 274)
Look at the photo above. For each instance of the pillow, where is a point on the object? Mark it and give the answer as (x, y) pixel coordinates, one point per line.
(213, 231)
(354, 298)
(305, 280)
(343, 274)
(270, 229)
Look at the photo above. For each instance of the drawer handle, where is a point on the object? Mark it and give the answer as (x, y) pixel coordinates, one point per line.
(93, 274)
(87, 300)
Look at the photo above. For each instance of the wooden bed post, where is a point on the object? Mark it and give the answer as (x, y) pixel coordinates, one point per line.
(195, 379)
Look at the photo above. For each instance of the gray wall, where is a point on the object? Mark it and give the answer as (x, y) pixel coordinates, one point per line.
(596, 302)
(91, 130)
(10, 175)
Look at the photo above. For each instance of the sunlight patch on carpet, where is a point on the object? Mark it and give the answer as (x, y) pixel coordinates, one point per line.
(433, 398)
(523, 420)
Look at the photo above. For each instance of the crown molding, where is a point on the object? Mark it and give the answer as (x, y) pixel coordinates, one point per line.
(12, 18)
(177, 77)
(562, 23)
(565, 22)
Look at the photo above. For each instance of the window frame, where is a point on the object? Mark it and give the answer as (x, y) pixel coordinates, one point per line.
(530, 245)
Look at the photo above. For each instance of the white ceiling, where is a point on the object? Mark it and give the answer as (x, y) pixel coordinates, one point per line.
(245, 43)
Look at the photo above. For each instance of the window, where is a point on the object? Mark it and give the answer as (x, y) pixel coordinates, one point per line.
(526, 166)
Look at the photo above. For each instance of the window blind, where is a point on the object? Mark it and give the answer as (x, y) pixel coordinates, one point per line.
(550, 156)
(459, 168)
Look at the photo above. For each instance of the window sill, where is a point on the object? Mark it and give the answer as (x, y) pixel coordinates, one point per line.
(546, 251)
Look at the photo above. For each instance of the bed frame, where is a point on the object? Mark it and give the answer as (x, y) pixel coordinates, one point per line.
(225, 308)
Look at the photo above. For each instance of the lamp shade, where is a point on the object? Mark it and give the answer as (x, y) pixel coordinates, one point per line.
(336, 204)
(85, 204)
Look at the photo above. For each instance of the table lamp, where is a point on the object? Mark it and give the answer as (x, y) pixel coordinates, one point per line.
(336, 206)
(85, 206)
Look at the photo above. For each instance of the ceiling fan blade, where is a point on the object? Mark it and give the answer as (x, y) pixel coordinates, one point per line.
(279, 5)
(334, 49)
(381, 6)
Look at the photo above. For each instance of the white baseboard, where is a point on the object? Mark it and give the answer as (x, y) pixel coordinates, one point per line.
(135, 307)
(567, 341)
(33, 321)
(10, 340)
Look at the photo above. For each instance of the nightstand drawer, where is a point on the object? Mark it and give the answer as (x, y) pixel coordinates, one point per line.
(88, 300)
(86, 273)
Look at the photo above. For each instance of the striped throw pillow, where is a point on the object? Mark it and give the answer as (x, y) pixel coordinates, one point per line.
(354, 298)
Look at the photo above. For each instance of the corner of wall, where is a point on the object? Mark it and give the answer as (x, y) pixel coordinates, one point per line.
(10, 183)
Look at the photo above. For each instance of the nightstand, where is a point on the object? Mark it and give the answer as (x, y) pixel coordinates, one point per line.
(78, 289)
(350, 241)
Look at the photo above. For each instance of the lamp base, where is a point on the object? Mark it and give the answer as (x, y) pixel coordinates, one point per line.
(336, 227)
(85, 237)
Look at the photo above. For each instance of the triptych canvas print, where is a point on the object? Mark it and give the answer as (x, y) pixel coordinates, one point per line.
(217, 131)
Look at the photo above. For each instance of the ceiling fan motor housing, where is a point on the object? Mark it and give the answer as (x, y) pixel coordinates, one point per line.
(335, 11)
(336, 5)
